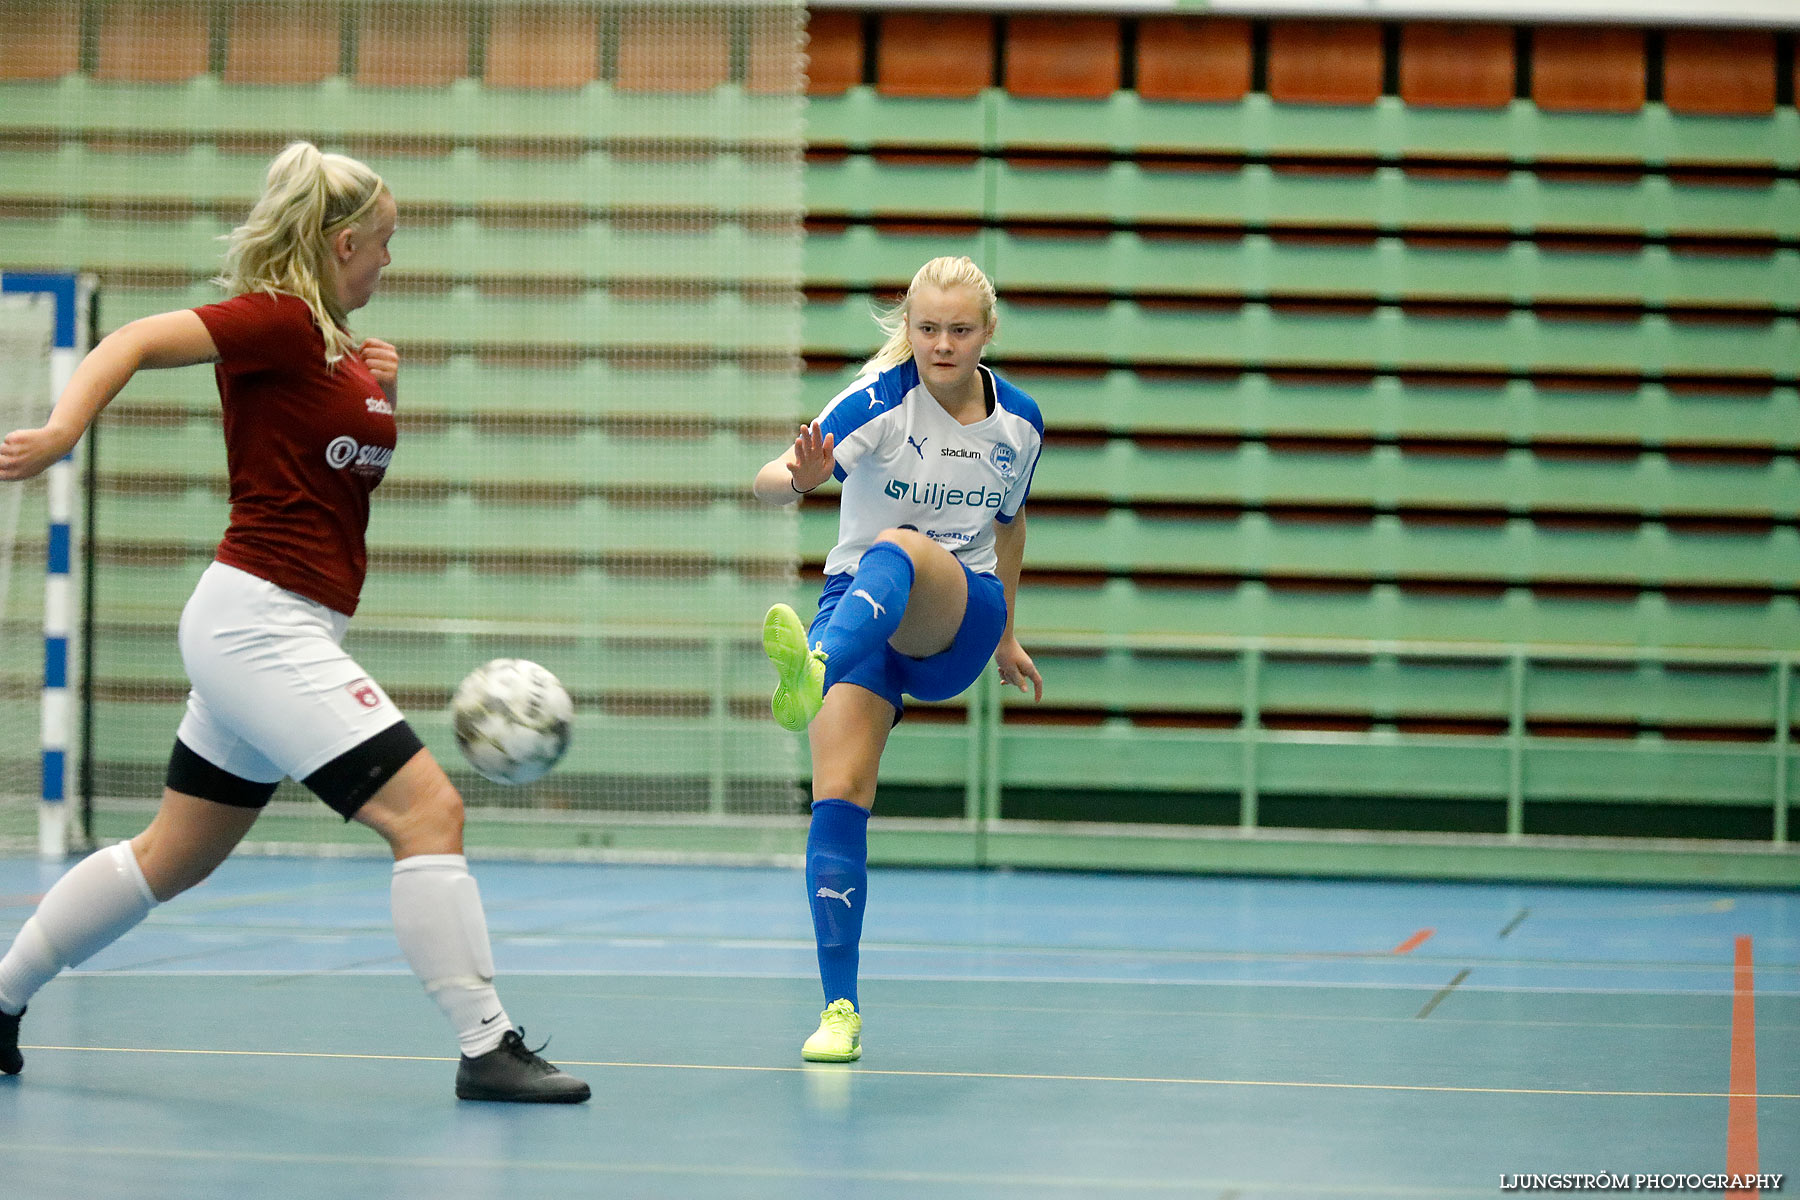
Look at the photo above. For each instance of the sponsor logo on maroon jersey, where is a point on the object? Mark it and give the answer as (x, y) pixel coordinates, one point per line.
(345, 452)
(364, 693)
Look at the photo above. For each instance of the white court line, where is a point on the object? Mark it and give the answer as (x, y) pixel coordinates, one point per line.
(867, 976)
(1006, 1076)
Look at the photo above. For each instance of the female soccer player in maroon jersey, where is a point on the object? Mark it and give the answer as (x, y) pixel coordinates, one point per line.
(309, 428)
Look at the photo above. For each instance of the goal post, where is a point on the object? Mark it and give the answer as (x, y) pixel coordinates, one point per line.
(44, 329)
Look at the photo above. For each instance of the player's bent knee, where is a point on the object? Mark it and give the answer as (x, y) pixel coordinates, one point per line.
(168, 871)
(439, 806)
(419, 811)
(909, 540)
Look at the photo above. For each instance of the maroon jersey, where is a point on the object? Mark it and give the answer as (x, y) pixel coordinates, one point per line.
(304, 447)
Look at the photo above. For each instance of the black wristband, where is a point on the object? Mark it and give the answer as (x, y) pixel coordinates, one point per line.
(797, 489)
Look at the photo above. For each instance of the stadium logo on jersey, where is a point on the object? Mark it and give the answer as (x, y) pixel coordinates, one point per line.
(376, 404)
(936, 495)
(364, 693)
(343, 452)
(1004, 458)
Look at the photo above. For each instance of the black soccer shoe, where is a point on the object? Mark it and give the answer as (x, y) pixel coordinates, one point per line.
(513, 1073)
(11, 1061)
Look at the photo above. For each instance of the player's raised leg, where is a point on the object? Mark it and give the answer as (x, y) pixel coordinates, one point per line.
(877, 610)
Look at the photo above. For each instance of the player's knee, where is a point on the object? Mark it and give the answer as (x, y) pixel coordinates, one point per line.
(417, 813)
(856, 786)
(438, 807)
(909, 540)
(169, 867)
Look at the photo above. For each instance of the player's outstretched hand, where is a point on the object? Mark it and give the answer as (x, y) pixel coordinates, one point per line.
(25, 453)
(813, 458)
(382, 360)
(1016, 667)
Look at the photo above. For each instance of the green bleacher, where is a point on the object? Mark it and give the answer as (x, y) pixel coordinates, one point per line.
(1413, 472)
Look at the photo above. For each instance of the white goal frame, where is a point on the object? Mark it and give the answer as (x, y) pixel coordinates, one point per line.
(73, 297)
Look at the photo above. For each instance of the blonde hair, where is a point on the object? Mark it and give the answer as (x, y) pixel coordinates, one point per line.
(284, 245)
(944, 273)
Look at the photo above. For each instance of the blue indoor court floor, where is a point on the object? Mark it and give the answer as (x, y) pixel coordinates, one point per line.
(1027, 1035)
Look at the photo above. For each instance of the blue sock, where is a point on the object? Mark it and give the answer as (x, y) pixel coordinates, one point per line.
(868, 614)
(837, 886)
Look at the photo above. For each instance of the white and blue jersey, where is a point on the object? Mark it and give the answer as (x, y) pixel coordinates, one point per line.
(905, 462)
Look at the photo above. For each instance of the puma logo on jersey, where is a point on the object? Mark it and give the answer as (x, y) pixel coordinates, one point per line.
(826, 893)
(874, 400)
(919, 446)
(873, 603)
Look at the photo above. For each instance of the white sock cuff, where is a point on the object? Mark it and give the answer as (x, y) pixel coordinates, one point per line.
(432, 862)
(125, 861)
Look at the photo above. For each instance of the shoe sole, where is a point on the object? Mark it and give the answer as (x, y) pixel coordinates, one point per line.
(560, 1098)
(817, 1056)
(784, 641)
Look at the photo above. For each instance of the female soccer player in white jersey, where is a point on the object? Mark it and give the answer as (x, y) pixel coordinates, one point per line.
(936, 454)
(309, 428)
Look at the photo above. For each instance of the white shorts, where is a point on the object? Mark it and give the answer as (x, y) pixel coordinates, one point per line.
(273, 692)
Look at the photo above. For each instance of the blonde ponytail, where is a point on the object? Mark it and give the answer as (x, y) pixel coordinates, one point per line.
(285, 243)
(943, 273)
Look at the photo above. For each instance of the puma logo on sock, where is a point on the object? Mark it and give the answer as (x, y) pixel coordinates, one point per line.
(826, 893)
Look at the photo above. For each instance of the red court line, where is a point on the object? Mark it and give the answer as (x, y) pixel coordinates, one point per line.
(1414, 942)
(1740, 1119)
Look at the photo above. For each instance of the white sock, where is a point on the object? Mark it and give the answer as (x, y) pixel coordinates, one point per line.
(96, 902)
(442, 930)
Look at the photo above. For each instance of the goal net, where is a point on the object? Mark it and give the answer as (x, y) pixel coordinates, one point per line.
(27, 323)
(595, 290)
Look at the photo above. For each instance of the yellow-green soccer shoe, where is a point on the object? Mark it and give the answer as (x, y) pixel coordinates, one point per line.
(800, 689)
(838, 1037)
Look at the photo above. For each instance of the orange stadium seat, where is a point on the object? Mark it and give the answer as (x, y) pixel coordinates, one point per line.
(542, 46)
(773, 65)
(1193, 59)
(1456, 66)
(1325, 62)
(1587, 69)
(143, 42)
(271, 43)
(1719, 72)
(42, 41)
(942, 55)
(412, 45)
(1062, 58)
(649, 62)
(834, 51)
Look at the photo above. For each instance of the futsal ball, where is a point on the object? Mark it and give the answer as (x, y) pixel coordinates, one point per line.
(512, 720)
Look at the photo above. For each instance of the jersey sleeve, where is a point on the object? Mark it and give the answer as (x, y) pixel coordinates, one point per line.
(850, 417)
(257, 331)
(1031, 424)
(1020, 491)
